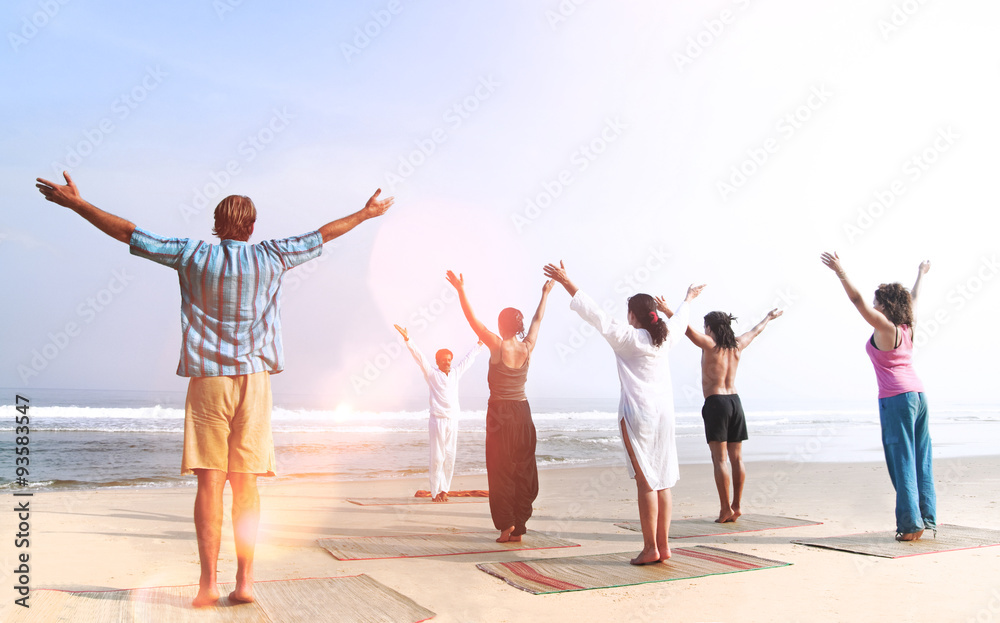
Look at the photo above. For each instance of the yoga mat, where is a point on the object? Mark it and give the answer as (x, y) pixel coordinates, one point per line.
(464, 493)
(706, 526)
(444, 544)
(353, 599)
(884, 544)
(412, 500)
(557, 575)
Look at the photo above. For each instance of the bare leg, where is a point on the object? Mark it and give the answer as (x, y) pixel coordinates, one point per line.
(208, 529)
(721, 468)
(648, 510)
(664, 501)
(739, 476)
(246, 517)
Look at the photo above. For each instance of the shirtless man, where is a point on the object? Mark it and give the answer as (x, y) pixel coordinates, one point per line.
(725, 423)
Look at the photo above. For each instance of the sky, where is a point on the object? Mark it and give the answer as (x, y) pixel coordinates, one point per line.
(648, 145)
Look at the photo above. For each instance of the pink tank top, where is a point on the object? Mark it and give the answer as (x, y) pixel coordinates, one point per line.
(894, 368)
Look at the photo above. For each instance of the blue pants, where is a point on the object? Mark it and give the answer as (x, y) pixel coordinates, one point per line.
(907, 445)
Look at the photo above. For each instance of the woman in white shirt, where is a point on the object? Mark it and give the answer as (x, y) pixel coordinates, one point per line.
(646, 409)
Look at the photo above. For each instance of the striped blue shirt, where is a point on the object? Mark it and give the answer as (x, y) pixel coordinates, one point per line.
(230, 298)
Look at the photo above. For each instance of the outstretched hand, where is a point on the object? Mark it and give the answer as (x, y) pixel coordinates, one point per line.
(556, 273)
(774, 313)
(66, 196)
(547, 286)
(832, 261)
(661, 304)
(925, 267)
(456, 280)
(375, 207)
(694, 291)
(402, 331)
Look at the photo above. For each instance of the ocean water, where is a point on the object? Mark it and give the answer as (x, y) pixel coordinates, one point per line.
(93, 439)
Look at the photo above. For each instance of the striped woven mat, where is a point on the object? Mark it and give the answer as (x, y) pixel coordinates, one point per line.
(443, 544)
(353, 599)
(557, 575)
(884, 544)
(414, 500)
(706, 526)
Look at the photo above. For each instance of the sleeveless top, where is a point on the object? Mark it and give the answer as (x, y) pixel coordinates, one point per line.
(507, 383)
(894, 368)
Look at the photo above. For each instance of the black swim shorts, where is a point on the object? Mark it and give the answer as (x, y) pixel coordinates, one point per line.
(724, 419)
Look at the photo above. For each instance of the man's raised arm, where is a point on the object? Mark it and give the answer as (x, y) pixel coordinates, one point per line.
(744, 340)
(339, 227)
(69, 197)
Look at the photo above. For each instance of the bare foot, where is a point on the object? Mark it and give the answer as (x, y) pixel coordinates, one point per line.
(437, 498)
(910, 536)
(206, 597)
(736, 513)
(444, 496)
(241, 596)
(725, 516)
(646, 557)
(514, 538)
(664, 557)
(505, 535)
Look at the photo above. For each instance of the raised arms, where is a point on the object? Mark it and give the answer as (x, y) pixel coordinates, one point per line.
(617, 334)
(678, 321)
(744, 340)
(536, 320)
(69, 197)
(487, 337)
(374, 207)
(121, 229)
(925, 266)
(418, 356)
(468, 360)
(558, 274)
(875, 318)
(698, 338)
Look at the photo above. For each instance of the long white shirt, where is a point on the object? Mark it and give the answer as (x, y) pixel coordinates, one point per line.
(647, 399)
(444, 387)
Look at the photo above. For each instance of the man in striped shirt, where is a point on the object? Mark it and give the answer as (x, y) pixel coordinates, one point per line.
(231, 344)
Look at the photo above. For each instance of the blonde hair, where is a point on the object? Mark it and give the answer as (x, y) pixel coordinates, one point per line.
(234, 218)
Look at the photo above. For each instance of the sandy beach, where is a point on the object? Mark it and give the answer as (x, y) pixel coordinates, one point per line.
(131, 538)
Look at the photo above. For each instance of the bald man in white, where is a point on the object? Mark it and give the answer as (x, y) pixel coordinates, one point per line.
(442, 426)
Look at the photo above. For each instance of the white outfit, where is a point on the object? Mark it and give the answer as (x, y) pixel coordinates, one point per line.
(647, 402)
(442, 427)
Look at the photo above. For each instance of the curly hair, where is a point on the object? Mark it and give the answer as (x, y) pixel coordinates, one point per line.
(721, 325)
(897, 305)
(643, 307)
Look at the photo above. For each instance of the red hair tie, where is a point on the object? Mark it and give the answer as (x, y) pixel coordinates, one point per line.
(653, 317)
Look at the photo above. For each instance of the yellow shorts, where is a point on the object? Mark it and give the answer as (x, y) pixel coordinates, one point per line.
(227, 424)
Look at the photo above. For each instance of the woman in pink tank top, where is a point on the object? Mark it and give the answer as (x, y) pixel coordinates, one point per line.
(901, 402)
